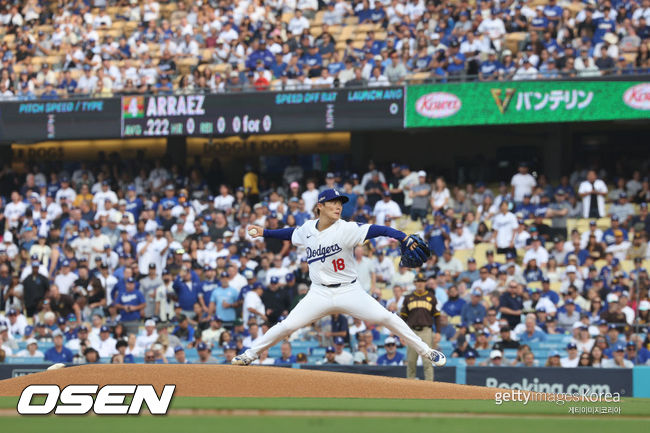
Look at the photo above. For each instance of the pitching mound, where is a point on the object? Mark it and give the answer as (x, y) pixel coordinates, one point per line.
(237, 381)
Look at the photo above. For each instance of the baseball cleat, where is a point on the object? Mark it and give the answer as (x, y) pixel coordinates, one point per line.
(437, 358)
(244, 359)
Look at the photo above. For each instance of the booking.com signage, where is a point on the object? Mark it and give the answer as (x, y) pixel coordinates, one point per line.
(492, 103)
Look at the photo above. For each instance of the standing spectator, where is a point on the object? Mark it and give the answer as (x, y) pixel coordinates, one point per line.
(593, 192)
(130, 304)
(511, 304)
(505, 225)
(386, 209)
(522, 183)
(419, 196)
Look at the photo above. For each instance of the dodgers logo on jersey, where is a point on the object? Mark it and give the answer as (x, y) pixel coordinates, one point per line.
(321, 253)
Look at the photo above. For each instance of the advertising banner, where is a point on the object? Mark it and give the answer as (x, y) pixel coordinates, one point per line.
(263, 113)
(496, 103)
(553, 380)
(31, 121)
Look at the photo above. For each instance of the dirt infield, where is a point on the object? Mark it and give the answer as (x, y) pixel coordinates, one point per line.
(237, 381)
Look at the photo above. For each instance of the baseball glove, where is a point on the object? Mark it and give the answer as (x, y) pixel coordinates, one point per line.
(414, 252)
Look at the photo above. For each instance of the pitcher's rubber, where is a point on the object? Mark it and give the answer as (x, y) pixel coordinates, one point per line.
(252, 381)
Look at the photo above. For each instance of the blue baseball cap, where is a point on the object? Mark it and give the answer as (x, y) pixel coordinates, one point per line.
(72, 317)
(224, 274)
(330, 349)
(130, 280)
(201, 346)
(178, 349)
(289, 277)
(258, 285)
(509, 255)
(104, 328)
(12, 312)
(331, 194)
(620, 348)
(275, 280)
(571, 346)
(61, 321)
(471, 354)
(615, 262)
(231, 346)
(339, 340)
(216, 318)
(29, 329)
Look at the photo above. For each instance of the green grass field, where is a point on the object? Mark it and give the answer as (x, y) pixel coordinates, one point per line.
(447, 416)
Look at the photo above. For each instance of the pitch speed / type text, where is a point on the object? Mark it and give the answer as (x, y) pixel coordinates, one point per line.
(109, 400)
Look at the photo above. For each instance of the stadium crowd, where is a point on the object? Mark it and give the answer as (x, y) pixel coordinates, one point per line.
(64, 48)
(154, 264)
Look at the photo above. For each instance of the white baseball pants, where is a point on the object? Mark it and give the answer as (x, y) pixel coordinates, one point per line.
(349, 299)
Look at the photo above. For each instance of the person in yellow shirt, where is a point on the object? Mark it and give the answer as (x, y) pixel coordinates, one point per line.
(84, 194)
(251, 184)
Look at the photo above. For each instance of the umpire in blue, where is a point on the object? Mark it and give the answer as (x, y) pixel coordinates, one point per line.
(420, 313)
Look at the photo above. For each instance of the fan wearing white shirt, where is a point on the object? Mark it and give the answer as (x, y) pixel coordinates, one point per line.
(485, 283)
(65, 279)
(224, 200)
(148, 336)
(14, 210)
(505, 227)
(536, 252)
(253, 305)
(522, 183)
(105, 194)
(461, 238)
(386, 207)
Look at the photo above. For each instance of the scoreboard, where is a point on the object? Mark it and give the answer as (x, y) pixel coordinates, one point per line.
(262, 113)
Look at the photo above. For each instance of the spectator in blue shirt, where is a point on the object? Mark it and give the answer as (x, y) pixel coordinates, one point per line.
(378, 14)
(531, 334)
(473, 309)
(286, 356)
(454, 304)
(49, 92)
(279, 66)
(392, 356)
(183, 330)
(489, 69)
(313, 61)
(224, 299)
(539, 21)
(186, 290)
(553, 12)
(604, 25)
(130, 302)
(58, 353)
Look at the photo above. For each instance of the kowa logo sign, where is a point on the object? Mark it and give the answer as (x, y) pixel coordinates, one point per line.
(638, 97)
(109, 400)
(438, 105)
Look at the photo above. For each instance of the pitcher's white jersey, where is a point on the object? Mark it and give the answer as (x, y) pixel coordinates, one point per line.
(330, 253)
